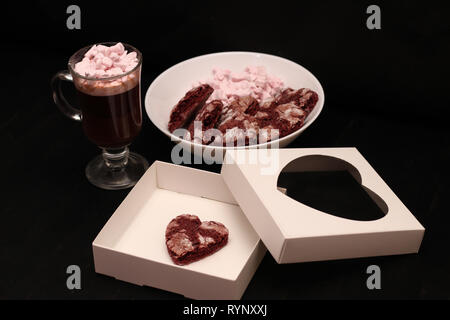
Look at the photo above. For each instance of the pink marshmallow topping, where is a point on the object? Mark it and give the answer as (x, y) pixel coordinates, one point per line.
(102, 62)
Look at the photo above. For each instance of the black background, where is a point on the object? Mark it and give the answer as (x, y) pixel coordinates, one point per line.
(386, 94)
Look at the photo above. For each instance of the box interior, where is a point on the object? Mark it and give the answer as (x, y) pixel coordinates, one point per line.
(138, 226)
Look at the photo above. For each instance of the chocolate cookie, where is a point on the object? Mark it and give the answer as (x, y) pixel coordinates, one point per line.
(306, 99)
(244, 121)
(193, 100)
(286, 113)
(238, 107)
(242, 129)
(286, 118)
(205, 119)
(188, 239)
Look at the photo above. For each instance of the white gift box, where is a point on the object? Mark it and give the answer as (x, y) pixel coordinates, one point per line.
(131, 246)
(246, 199)
(294, 232)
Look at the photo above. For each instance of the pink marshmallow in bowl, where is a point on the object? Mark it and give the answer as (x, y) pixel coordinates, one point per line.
(253, 81)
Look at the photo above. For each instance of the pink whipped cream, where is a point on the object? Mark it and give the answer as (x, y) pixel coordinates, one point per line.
(102, 61)
(253, 81)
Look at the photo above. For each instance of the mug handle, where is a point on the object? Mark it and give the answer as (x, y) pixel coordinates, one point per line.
(66, 108)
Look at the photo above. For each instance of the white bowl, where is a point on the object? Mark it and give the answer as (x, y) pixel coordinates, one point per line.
(171, 85)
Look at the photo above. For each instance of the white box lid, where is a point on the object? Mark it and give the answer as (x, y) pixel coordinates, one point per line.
(294, 232)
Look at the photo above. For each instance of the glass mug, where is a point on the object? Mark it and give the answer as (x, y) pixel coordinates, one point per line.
(111, 116)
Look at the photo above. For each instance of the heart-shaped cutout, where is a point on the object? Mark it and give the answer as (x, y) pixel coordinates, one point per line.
(331, 185)
(188, 239)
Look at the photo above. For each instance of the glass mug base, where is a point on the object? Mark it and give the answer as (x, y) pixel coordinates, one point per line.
(100, 173)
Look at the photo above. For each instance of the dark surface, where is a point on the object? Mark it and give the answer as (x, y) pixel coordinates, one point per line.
(333, 192)
(386, 94)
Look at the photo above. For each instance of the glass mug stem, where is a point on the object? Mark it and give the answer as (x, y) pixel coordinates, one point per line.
(117, 158)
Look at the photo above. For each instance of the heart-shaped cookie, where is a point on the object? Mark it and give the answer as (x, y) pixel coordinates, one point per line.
(188, 239)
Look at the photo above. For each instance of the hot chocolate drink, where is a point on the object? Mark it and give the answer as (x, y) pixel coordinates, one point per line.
(111, 121)
(107, 79)
(109, 95)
